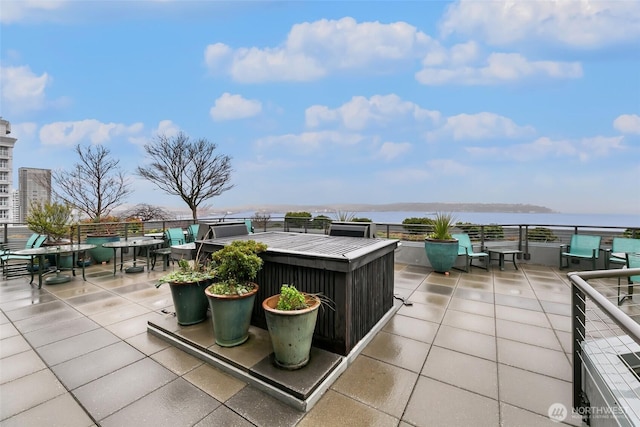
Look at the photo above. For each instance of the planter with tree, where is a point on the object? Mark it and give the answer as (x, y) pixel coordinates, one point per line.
(95, 186)
(52, 220)
(232, 295)
(291, 319)
(187, 285)
(440, 246)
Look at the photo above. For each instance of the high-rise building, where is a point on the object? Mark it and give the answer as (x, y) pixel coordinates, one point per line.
(6, 170)
(15, 206)
(34, 186)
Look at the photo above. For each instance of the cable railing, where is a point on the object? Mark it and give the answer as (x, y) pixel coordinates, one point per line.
(606, 347)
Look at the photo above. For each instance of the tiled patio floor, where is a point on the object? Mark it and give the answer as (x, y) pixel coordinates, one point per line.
(480, 348)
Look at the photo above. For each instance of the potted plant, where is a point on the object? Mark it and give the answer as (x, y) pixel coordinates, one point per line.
(231, 296)
(103, 230)
(440, 246)
(52, 220)
(187, 284)
(291, 319)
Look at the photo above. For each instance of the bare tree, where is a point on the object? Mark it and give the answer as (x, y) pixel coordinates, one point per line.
(146, 212)
(95, 185)
(187, 169)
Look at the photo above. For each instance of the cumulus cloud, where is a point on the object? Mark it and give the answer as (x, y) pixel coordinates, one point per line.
(391, 150)
(94, 131)
(314, 49)
(582, 149)
(17, 11)
(361, 112)
(461, 68)
(233, 107)
(308, 142)
(23, 90)
(627, 123)
(479, 126)
(577, 23)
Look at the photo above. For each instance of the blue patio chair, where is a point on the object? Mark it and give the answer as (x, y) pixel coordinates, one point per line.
(582, 246)
(174, 236)
(465, 248)
(192, 232)
(632, 260)
(619, 247)
(34, 241)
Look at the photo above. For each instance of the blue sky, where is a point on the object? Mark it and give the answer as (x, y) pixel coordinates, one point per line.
(340, 102)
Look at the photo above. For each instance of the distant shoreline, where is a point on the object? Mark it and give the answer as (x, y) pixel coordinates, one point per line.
(394, 207)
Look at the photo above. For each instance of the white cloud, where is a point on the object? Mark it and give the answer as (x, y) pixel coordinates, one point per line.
(498, 68)
(17, 11)
(308, 142)
(361, 112)
(582, 149)
(391, 150)
(25, 130)
(232, 107)
(21, 89)
(448, 167)
(627, 123)
(314, 49)
(72, 133)
(575, 23)
(479, 126)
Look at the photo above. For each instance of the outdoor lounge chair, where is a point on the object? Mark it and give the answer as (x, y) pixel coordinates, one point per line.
(192, 232)
(465, 248)
(34, 241)
(632, 260)
(582, 246)
(174, 236)
(619, 247)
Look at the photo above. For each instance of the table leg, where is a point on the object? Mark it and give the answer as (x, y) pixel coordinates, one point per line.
(501, 261)
(40, 268)
(513, 259)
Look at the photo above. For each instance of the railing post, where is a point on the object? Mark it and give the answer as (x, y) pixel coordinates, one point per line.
(578, 320)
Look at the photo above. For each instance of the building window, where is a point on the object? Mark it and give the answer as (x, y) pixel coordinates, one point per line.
(4, 163)
(4, 188)
(4, 151)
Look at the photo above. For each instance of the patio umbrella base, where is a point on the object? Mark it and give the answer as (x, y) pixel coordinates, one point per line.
(57, 279)
(134, 269)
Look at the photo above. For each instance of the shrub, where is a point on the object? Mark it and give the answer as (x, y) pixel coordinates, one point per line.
(541, 234)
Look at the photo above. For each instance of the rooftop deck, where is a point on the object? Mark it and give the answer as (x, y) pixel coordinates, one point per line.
(481, 348)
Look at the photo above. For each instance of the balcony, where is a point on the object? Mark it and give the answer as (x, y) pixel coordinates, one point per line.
(480, 348)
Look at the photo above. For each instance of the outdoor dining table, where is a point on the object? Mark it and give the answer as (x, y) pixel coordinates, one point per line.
(356, 274)
(147, 243)
(43, 251)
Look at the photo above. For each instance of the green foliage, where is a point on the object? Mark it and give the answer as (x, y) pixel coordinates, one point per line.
(344, 216)
(297, 219)
(188, 272)
(51, 219)
(321, 222)
(541, 234)
(633, 233)
(442, 224)
(363, 219)
(236, 265)
(422, 225)
(291, 299)
(491, 232)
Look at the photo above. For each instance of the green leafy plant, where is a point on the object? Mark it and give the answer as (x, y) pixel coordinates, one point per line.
(441, 228)
(188, 272)
(291, 299)
(237, 264)
(50, 219)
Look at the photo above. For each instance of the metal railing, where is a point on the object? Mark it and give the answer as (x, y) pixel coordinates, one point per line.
(606, 347)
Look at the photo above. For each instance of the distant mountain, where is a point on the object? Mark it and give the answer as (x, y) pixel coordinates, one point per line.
(399, 207)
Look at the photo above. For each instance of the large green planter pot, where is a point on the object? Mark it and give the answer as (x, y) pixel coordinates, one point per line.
(190, 302)
(231, 317)
(100, 254)
(442, 254)
(291, 331)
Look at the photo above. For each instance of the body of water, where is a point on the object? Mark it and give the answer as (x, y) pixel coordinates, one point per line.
(502, 218)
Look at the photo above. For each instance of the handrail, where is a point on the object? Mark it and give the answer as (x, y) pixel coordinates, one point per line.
(580, 289)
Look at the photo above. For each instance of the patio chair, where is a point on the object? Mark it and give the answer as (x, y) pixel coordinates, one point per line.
(174, 236)
(582, 246)
(34, 241)
(619, 247)
(465, 248)
(632, 260)
(192, 232)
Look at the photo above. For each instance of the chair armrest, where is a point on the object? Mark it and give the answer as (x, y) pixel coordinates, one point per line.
(564, 248)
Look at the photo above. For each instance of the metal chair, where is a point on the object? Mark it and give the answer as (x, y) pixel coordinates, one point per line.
(465, 248)
(632, 261)
(583, 246)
